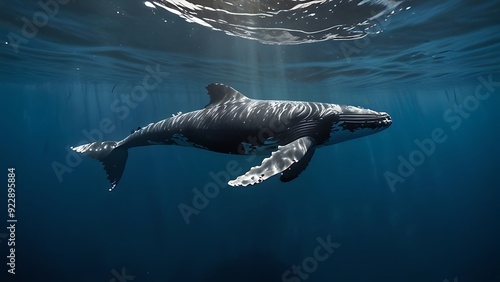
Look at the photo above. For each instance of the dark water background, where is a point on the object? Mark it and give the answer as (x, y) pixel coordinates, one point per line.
(431, 59)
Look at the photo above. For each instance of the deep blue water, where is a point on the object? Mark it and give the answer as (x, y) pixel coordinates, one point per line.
(433, 65)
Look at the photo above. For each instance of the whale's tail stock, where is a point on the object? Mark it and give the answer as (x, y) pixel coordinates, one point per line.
(112, 157)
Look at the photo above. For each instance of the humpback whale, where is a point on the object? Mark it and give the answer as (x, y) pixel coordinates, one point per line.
(231, 123)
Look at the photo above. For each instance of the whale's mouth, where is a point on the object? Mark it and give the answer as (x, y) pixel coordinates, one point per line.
(355, 121)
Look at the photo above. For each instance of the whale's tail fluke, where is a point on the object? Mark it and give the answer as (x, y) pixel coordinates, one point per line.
(112, 156)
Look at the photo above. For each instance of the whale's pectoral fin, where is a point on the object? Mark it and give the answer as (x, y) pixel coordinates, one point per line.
(295, 169)
(291, 159)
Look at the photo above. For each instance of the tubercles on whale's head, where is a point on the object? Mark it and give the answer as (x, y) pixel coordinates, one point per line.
(354, 122)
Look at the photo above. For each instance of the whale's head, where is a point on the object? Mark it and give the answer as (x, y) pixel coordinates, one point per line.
(354, 122)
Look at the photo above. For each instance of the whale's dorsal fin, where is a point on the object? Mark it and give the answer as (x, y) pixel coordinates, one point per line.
(220, 94)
